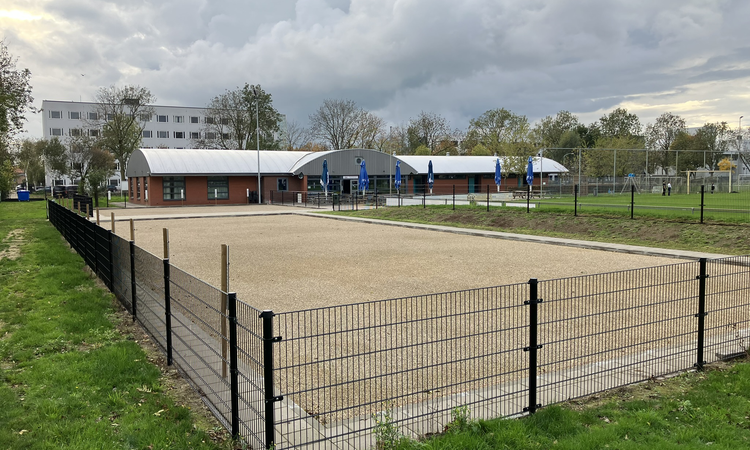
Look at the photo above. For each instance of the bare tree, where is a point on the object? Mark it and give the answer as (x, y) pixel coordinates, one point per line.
(121, 113)
(337, 123)
(231, 120)
(661, 134)
(295, 136)
(371, 131)
(428, 129)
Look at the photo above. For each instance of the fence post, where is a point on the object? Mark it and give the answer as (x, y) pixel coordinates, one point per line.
(111, 282)
(132, 279)
(533, 301)
(702, 192)
(632, 200)
(488, 198)
(701, 312)
(528, 197)
(575, 201)
(270, 399)
(167, 305)
(234, 371)
(224, 300)
(424, 196)
(454, 197)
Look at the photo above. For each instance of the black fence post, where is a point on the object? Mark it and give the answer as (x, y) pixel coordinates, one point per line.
(528, 197)
(132, 279)
(701, 312)
(233, 369)
(575, 200)
(376, 195)
(632, 200)
(167, 311)
(270, 399)
(424, 197)
(399, 198)
(533, 301)
(272, 197)
(488, 198)
(111, 279)
(454, 197)
(702, 198)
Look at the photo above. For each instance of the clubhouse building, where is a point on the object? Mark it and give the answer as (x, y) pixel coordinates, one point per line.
(164, 177)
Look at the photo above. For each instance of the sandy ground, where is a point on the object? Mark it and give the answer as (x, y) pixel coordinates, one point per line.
(289, 262)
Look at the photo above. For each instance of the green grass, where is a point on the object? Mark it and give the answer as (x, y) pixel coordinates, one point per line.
(708, 409)
(68, 377)
(603, 227)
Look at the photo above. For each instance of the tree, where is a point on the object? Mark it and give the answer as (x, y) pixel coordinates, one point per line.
(505, 134)
(428, 129)
(371, 132)
(422, 150)
(549, 133)
(121, 114)
(231, 120)
(713, 137)
(30, 159)
(480, 150)
(56, 158)
(619, 123)
(295, 136)
(661, 134)
(688, 154)
(337, 122)
(15, 95)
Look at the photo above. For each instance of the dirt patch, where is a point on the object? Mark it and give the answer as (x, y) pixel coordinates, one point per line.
(14, 239)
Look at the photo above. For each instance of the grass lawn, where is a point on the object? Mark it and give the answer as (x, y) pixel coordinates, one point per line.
(603, 226)
(69, 377)
(696, 410)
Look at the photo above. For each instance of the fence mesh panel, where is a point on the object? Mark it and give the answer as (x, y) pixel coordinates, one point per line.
(121, 281)
(419, 356)
(149, 279)
(613, 329)
(250, 379)
(728, 314)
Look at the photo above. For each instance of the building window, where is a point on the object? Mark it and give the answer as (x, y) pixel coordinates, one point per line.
(114, 182)
(218, 188)
(93, 133)
(55, 131)
(179, 119)
(55, 114)
(130, 188)
(145, 117)
(93, 116)
(195, 119)
(179, 135)
(224, 121)
(209, 120)
(282, 184)
(110, 117)
(162, 134)
(137, 188)
(75, 131)
(210, 135)
(225, 136)
(117, 166)
(162, 118)
(74, 115)
(195, 135)
(173, 187)
(147, 133)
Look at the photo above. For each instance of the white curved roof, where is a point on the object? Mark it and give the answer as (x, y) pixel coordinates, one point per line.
(474, 164)
(209, 162)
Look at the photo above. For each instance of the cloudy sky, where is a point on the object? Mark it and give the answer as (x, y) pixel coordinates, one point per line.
(398, 57)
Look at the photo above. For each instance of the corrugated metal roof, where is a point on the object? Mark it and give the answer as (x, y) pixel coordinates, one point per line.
(474, 164)
(218, 162)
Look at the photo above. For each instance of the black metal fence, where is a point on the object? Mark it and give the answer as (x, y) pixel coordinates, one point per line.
(320, 378)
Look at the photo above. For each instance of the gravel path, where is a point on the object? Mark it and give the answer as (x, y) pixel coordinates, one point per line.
(290, 262)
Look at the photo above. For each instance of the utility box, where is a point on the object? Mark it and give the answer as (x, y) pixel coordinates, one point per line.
(23, 196)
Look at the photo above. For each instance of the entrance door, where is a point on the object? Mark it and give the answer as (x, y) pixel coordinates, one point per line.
(471, 184)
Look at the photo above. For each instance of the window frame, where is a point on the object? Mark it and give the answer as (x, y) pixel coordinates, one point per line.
(162, 116)
(221, 184)
(162, 135)
(170, 187)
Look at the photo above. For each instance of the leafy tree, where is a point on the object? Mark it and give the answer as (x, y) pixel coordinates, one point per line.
(31, 160)
(713, 137)
(568, 140)
(7, 178)
(506, 134)
(619, 123)
(231, 120)
(688, 151)
(56, 158)
(600, 161)
(726, 164)
(480, 150)
(659, 138)
(549, 133)
(88, 161)
(121, 114)
(422, 150)
(430, 130)
(15, 95)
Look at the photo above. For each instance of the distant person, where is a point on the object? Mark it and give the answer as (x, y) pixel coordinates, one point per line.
(663, 188)
(669, 189)
(713, 187)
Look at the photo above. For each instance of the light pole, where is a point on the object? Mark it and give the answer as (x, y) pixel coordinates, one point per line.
(257, 138)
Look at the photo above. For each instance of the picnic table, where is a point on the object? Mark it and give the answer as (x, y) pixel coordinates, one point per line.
(522, 194)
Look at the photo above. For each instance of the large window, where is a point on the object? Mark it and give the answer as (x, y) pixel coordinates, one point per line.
(162, 118)
(282, 184)
(75, 115)
(195, 135)
(195, 119)
(93, 116)
(179, 119)
(162, 134)
(147, 133)
(179, 135)
(55, 131)
(55, 114)
(173, 187)
(218, 188)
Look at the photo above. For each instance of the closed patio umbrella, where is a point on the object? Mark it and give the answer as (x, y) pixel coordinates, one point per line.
(364, 180)
(397, 181)
(324, 177)
(430, 176)
(498, 174)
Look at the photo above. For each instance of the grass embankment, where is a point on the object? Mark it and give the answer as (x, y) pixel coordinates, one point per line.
(695, 410)
(652, 232)
(69, 378)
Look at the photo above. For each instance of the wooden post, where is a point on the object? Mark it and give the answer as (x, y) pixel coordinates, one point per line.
(165, 232)
(87, 210)
(132, 231)
(112, 222)
(222, 314)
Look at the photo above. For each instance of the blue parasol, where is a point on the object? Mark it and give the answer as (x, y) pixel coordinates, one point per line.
(324, 180)
(530, 172)
(364, 180)
(430, 176)
(397, 181)
(498, 174)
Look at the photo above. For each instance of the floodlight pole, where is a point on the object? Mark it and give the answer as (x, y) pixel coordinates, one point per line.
(257, 138)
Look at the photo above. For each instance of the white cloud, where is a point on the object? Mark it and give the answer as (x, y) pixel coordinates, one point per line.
(397, 57)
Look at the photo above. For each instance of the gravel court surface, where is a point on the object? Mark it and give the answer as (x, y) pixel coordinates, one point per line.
(292, 262)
